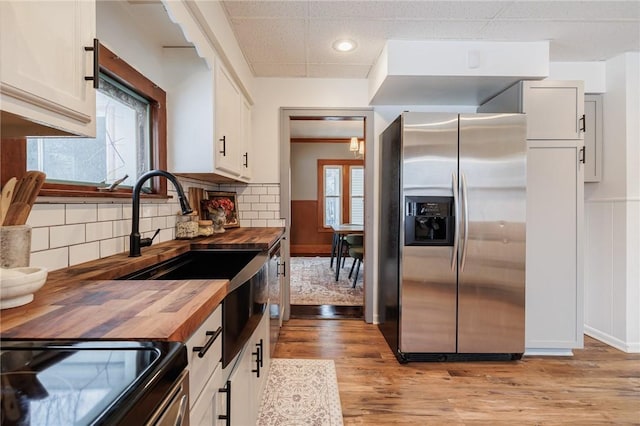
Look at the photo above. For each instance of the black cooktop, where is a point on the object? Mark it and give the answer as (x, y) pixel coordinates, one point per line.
(85, 382)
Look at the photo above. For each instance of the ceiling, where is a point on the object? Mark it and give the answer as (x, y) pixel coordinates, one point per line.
(294, 38)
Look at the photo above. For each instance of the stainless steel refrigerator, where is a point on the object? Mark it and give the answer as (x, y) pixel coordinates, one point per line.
(452, 236)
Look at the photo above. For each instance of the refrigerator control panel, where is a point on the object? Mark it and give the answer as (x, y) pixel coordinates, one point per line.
(429, 221)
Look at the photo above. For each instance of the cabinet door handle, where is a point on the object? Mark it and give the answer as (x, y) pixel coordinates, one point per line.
(261, 349)
(202, 350)
(96, 63)
(284, 269)
(227, 390)
(583, 153)
(246, 159)
(258, 361)
(224, 146)
(583, 120)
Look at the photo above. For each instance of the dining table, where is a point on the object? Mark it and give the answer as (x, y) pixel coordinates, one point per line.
(339, 237)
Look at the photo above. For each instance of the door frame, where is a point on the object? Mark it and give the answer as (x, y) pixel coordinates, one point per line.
(285, 192)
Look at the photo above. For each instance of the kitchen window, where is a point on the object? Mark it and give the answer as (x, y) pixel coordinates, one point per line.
(340, 192)
(130, 140)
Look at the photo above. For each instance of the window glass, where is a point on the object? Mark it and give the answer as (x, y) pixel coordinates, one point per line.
(332, 195)
(121, 146)
(356, 174)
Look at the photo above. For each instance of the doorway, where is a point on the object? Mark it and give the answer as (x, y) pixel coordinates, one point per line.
(323, 182)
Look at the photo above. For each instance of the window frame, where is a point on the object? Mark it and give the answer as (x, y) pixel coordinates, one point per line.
(346, 189)
(13, 152)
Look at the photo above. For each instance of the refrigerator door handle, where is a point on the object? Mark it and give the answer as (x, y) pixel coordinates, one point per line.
(456, 212)
(465, 208)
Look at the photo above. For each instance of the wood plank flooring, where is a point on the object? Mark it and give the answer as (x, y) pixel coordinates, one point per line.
(598, 385)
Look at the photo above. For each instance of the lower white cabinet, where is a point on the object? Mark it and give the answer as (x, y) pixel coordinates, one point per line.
(246, 383)
(555, 210)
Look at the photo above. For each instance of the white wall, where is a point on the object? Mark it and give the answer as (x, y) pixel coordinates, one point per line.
(612, 215)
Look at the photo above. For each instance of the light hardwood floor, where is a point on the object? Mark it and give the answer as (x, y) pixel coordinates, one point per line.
(598, 385)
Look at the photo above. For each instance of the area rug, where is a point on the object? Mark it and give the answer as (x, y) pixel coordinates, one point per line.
(313, 282)
(301, 392)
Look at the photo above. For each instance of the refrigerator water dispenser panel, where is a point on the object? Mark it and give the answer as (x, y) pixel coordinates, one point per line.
(429, 221)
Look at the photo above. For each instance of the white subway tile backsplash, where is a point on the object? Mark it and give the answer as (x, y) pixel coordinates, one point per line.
(266, 215)
(145, 225)
(258, 190)
(81, 213)
(66, 235)
(109, 212)
(279, 223)
(121, 228)
(148, 210)
(249, 215)
(51, 259)
(159, 222)
(46, 215)
(99, 231)
(84, 253)
(39, 239)
(111, 246)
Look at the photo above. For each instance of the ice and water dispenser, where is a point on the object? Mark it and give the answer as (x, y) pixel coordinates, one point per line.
(429, 221)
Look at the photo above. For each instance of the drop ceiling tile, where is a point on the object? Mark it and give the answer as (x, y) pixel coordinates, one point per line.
(279, 70)
(338, 70)
(436, 30)
(352, 9)
(265, 9)
(447, 10)
(271, 40)
(572, 10)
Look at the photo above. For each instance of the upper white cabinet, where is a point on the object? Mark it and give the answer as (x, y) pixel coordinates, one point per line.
(593, 138)
(246, 160)
(554, 108)
(43, 65)
(209, 116)
(228, 122)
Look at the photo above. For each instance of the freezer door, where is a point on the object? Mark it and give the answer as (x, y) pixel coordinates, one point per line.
(491, 274)
(428, 273)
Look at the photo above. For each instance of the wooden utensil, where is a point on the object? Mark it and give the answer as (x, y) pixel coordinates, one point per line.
(6, 197)
(195, 197)
(28, 187)
(17, 214)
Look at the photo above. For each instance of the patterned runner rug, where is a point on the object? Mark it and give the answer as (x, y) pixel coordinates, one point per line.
(313, 282)
(301, 392)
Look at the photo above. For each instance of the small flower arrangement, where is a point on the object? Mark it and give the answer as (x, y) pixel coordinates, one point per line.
(222, 202)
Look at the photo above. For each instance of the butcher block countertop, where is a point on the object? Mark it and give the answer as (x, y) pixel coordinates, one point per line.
(87, 302)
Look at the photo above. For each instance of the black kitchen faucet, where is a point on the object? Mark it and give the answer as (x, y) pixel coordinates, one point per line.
(135, 242)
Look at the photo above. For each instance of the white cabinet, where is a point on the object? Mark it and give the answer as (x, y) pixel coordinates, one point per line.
(243, 391)
(554, 108)
(246, 160)
(554, 277)
(43, 64)
(228, 121)
(593, 138)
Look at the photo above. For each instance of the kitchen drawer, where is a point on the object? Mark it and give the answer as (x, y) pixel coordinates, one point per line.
(200, 369)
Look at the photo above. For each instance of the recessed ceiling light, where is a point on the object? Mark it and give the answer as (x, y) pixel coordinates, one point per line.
(344, 45)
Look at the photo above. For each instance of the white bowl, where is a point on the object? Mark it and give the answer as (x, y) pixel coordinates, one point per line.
(17, 285)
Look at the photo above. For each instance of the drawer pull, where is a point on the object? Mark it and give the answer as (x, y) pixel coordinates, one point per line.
(202, 350)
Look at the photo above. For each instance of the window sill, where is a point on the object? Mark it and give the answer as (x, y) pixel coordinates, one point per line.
(94, 193)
